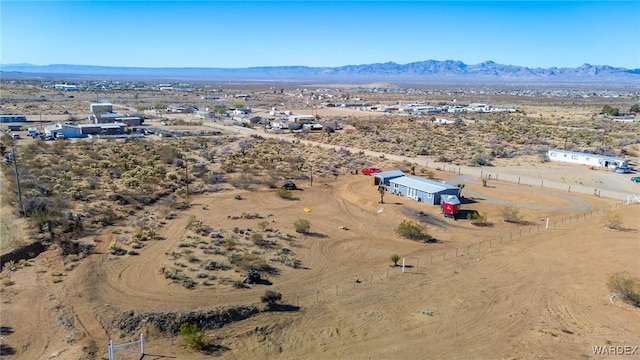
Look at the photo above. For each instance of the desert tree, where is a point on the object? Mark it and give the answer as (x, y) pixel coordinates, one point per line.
(271, 299)
(382, 191)
(302, 226)
(157, 106)
(193, 336)
(395, 258)
(609, 110)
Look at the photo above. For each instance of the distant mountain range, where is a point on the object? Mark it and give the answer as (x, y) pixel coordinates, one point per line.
(448, 71)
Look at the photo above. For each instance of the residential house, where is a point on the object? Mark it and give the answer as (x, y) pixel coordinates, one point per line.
(420, 189)
(594, 160)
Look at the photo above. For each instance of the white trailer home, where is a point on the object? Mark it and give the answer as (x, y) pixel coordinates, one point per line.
(594, 160)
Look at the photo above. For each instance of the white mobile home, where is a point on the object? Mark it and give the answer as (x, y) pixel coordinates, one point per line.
(595, 160)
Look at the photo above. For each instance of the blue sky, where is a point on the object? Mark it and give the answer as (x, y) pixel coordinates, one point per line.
(231, 34)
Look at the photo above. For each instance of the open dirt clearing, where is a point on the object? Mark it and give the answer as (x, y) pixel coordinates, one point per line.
(504, 291)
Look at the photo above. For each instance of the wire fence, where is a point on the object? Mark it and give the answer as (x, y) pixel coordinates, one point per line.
(388, 275)
(523, 180)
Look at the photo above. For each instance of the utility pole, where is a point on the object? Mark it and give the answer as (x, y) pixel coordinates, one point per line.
(311, 175)
(15, 168)
(186, 174)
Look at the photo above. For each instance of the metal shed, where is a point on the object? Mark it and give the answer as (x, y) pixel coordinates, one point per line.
(383, 177)
(420, 189)
(450, 205)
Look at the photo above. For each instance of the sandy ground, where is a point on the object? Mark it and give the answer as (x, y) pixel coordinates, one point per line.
(507, 291)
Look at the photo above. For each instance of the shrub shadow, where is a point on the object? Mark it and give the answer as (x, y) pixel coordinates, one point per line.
(283, 308)
(7, 350)
(317, 235)
(215, 350)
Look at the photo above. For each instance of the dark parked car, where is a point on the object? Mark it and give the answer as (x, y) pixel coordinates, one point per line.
(288, 185)
(252, 277)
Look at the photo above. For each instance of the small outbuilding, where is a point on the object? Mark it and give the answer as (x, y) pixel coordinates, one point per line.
(383, 177)
(420, 189)
(450, 205)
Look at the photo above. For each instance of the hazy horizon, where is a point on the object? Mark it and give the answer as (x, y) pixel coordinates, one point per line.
(241, 34)
(274, 66)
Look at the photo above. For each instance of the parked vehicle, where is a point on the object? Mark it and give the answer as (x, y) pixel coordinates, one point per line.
(370, 171)
(252, 277)
(623, 169)
(15, 136)
(288, 185)
(635, 179)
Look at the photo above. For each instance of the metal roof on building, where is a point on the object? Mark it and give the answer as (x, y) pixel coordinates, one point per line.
(418, 183)
(389, 174)
(569, 152)
(450, 199)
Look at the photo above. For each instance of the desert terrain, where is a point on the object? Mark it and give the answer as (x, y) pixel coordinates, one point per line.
(170, 227)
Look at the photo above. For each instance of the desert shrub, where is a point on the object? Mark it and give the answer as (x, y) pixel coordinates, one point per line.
(187, 283)
(395, 258)
(10, 266)
(613, 221)
(511, 214)
(302, 226)
(478, 219)
(35, 204)
(429, 174)
(168, 154)
(239, 285)
(229, 244)
(259, 241)
(289, 260)
(248, 261)
(263, 225)
(193, 336)
(213, 265)
(270, 298)
(626, 286)
(412, 230)
(284, 193)
(215, 179)
(197, 226)
(480, 160)
(170, 273)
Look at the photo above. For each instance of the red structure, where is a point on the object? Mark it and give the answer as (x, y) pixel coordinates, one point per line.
(450, 205)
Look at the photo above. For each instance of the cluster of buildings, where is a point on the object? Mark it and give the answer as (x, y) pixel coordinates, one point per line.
(103, 121)
(425, 109)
